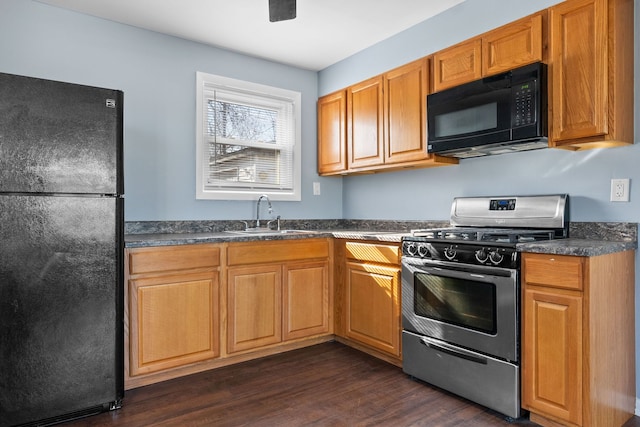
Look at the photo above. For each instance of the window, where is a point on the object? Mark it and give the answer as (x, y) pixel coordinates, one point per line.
(247, 140)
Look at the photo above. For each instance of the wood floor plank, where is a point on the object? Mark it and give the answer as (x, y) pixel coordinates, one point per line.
(328, 384)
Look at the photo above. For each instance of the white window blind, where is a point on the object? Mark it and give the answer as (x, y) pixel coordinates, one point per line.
(248, 140)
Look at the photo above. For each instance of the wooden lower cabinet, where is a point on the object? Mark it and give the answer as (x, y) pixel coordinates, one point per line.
(553, 345)
(190, 308)
(578, 361)
(305, 299)
(270, 303)
(372, 306)
(368, 297)
(171, 307)
(254, 307)
(276, 292)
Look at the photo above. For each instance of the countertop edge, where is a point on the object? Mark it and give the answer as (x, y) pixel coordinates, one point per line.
(577, 247)
(570, 246)
(172, 239)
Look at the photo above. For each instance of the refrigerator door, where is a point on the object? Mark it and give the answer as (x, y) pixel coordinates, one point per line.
(59, 137)
(61, 310)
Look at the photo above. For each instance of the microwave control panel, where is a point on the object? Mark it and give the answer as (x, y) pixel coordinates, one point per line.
(524, 103)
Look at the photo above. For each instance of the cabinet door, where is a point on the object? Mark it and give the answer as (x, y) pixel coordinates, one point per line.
(459, 64)
(373, 306)
(254, 307)
(513, 45)
(174, 321)
(552, 354)
(405, 94)
(364, 123)
(579, 55)
(306, 299)
(332, 133)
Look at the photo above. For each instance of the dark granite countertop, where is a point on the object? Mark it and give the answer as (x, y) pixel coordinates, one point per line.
(577, 247)
(587, 238)
(168, 239)
(164, 233)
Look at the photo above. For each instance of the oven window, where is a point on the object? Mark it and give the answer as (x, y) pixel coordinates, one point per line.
(460, 302)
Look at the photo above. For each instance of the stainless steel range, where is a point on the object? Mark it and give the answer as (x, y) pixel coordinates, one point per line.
(461, 295)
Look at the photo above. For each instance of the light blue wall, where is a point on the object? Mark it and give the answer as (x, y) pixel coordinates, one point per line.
(157, 74)
(427, 193)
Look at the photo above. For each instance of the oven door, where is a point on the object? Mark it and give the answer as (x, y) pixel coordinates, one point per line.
(474, 307)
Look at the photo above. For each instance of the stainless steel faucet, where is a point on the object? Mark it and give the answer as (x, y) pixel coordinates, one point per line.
(264, 196)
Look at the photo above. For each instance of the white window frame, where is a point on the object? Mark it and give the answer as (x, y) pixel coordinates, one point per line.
(204, 84)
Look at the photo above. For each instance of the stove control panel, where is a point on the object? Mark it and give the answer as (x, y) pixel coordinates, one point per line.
(462, 253)
(502, 204)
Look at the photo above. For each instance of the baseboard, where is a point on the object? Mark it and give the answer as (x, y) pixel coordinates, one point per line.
(638, 406)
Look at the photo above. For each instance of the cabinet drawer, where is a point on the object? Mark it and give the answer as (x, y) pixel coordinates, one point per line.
(276, 251)
(386, 254)
(172, 258)
(558, 271)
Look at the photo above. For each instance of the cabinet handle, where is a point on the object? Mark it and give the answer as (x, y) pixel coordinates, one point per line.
(453, 351)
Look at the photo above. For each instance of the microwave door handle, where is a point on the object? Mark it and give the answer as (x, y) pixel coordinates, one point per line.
(453, 351)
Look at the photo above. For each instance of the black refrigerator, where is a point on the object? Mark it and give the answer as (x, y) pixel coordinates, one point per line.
(61, 250)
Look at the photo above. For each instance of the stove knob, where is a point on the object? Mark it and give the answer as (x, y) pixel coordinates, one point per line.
(423, 251)
(495, 257)
(481, 255)
(450, 253)
(411, 249)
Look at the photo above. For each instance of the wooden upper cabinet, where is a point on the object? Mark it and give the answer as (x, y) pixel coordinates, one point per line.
(405, 97)
(385, 124)
(591, 59)
(513, 45)
(458, 64)
(365, 124)
(332, 133)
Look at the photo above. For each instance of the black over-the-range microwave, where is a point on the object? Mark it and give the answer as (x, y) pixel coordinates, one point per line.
(494, 115)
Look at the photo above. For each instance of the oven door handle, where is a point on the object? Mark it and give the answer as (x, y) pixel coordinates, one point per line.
(453, 351)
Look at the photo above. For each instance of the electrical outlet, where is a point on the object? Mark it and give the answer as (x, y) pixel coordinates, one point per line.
(316, 188)
(620, 190)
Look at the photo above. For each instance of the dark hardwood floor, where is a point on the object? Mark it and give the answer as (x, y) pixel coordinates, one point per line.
(325, 385)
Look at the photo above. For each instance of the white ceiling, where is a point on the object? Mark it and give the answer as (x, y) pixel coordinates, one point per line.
(324, 32)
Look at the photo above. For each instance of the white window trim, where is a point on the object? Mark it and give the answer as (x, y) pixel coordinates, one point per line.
(203, 80)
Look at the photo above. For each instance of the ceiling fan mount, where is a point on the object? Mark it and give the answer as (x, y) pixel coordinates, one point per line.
(282, 10)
